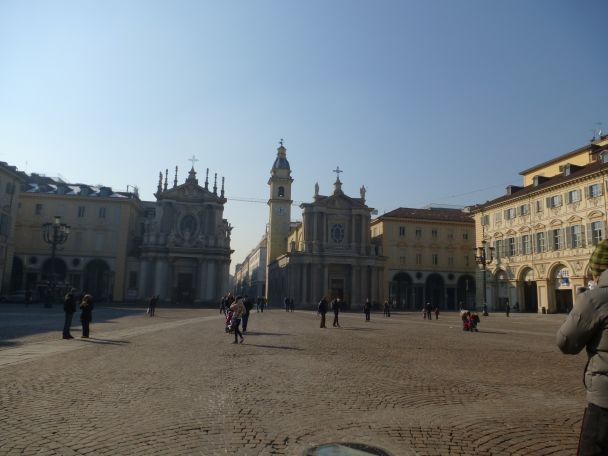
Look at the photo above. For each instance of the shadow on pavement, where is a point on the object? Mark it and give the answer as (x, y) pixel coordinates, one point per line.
(278, 347)
(491, 332)
(92, 340)
(359, 329)
(257, 333)
(9, 343)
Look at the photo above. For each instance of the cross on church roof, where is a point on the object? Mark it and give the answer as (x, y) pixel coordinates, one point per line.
(337, 171)
(281, 142)
(193, 160)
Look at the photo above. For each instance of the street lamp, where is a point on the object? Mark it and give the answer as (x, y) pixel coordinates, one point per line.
(54, 234)
(484, 257)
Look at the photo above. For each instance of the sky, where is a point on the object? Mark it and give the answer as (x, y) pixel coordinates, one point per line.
(424, 102)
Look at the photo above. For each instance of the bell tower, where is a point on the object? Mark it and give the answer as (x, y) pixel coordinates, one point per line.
(280, 205)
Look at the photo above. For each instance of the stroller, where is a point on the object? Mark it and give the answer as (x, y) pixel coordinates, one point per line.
(228, 323)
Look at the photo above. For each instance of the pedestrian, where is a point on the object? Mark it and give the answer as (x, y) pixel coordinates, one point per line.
(508, 308)
(286, 303)
(485, 310)
(291, 305)
(428, 310)
(248, 307)
(436, 313)
(151, 306)
(322, 310)
(335, 306)
(69, 307)
(367, 309)
(586, 327)
(387, 310)
(86, 314)
(239, 310)
(262, 303)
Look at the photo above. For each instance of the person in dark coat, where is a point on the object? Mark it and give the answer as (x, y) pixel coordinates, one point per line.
(248, 306)
(286, 304)
(322, 310)
(335, 306)
(367, 309)
(69, 307)
(86, 314)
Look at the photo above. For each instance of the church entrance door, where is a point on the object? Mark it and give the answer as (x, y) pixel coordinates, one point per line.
(337, 288)
(185, 289)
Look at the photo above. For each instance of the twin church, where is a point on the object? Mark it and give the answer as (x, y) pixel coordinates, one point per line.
(328, 253)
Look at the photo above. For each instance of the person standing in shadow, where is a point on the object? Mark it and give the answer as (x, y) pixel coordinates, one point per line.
(367, 309)
(335, 306)
(86, 314)
(69, 307)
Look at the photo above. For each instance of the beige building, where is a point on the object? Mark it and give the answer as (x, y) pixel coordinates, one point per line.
(104, 232)
(10, 187)
(430, 257)
(540, 235)
(250, 275)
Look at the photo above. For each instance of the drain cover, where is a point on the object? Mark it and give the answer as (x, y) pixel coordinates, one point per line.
(345, 449)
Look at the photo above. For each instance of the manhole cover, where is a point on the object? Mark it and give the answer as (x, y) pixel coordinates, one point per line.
(345, 449)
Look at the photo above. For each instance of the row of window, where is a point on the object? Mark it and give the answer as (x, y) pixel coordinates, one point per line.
(570, 197)
(9, 188)
(571, 237)
(434, 234)
(434, 259)
(80, 212)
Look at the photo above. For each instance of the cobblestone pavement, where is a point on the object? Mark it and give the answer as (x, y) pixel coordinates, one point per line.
(176, 385)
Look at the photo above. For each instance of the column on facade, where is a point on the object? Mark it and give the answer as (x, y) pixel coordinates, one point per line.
(304, 285)
(225, 278)
(160, 278)
(355, 282)
(144, 267)
(211, 274)
(365, 284)
(353, 231)
(374, 284)
(202, 280)
(325, 279)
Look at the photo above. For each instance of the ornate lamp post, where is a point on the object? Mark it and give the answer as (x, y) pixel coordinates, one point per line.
(483, 257)
(54, 234)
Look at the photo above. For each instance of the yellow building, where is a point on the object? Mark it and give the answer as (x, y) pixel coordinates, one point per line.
(10, 186)
(104, 231)
(540, 235)
(430, 257)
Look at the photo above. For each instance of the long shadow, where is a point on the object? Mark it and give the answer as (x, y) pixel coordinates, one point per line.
(18, 321)
(491, 332)
(359, 329)
(257, 333)
(9, 343)
(278, 347)
(105, 341)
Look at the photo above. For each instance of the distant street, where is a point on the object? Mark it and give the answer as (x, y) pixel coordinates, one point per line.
(174, 384)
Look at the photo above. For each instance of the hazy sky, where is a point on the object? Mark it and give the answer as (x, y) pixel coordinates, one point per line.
(421, 101)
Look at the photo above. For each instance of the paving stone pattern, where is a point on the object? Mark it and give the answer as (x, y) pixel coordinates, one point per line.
(177, 385)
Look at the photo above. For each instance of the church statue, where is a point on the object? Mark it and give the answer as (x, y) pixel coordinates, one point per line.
(362, 191)
(316, 189)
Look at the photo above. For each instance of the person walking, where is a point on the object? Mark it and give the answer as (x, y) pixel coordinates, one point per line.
(322, 310)
(335, 306)
(151, 306)
(587, 327)
(386, 308)
(367, 309)
(69, 307)
(239, 310)
(436, 310)
(428, 310)
(286, 303)
(248, 307)
(86, 314)
(508, 308)
(291, 305)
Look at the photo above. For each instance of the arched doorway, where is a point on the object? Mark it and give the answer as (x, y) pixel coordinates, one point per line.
(17, 274)
(435, 291)
(466, 291)
(563, 289)
(503, 290)
(401, 291)
(54, 270)
(528, 291)
(97, 276)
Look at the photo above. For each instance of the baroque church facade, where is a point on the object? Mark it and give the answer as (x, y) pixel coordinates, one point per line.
(329, 253)
(185, 250)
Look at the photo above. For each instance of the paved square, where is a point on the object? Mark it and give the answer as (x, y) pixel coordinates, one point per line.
(174, 384)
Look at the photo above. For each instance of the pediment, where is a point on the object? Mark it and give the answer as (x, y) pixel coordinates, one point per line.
(511, 232)
(525, 229)
(497, 235)
(539, 226)
(188, 192)
(341, 201)
(595, 215)
(556, 222)
(575, 219)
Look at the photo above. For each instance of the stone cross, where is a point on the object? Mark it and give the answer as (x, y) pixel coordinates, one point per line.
(337, 171)
(193, 160)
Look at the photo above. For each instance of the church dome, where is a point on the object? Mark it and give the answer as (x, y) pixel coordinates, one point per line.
(281, 160)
